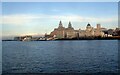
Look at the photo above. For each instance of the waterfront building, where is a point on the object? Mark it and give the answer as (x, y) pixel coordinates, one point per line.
(62, 32)
(110, 31)
(23, 38)
(69, 32)
(17, 38)
(89, 32)
(98, 31)
(58, 32)
(116, 32)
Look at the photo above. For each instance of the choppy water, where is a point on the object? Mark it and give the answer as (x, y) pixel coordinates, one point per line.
(88, 56)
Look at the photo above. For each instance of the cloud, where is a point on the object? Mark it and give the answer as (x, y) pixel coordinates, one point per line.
(36, 24)
(78, 18)
(22, 19)
(55, 10)
(18, 19)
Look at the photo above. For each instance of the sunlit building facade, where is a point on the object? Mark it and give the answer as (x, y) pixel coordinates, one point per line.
(70, 32)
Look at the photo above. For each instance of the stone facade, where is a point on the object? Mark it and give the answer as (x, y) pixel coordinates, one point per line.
(62, 32)
(69, 32)
(98, 31)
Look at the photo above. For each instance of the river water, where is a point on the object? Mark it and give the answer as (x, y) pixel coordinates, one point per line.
(85, 56)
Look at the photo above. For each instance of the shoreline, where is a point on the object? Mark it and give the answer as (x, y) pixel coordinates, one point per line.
(66, 40)
(82, 38)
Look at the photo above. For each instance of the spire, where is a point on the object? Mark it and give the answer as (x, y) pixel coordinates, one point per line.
(60, 24)
(69, 25)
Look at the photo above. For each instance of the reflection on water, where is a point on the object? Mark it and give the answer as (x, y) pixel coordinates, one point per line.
(60, 56)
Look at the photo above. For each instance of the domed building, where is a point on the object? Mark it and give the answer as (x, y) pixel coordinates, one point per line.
(69, 32)
(89, 31)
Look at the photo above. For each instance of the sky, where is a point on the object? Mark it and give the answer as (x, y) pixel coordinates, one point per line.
(60, 0)
(38, 18)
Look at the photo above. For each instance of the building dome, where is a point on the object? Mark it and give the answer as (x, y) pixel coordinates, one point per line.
(88, 24)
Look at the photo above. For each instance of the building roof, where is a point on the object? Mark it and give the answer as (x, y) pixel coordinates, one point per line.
(88, 24)
(60, 24)
(69, 25)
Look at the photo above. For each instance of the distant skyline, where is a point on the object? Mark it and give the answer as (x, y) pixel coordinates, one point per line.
(37, 18)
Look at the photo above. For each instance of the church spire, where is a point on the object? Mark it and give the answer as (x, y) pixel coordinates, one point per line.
(60, 24)
(69, 25)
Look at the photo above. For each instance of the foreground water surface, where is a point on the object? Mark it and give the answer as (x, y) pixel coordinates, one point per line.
(85, 56)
